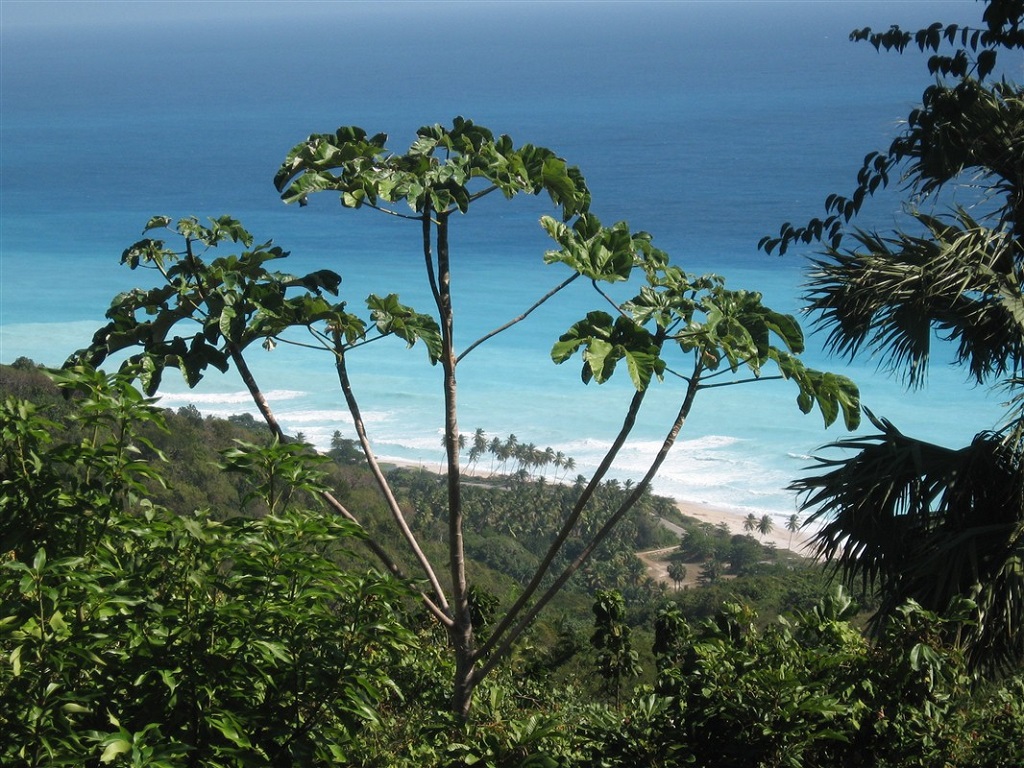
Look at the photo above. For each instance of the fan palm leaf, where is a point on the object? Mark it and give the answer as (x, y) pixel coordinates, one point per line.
(919, 521)
(892, 295)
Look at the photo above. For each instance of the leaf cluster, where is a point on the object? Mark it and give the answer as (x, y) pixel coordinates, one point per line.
(446, 169)
(716, 329)
(964, 125)
(234, 300)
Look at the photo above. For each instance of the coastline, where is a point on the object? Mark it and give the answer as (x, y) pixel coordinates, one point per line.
(733, 519)
(798, 542)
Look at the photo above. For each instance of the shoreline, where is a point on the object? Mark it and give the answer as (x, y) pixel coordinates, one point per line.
(733, 519)
(799, 542)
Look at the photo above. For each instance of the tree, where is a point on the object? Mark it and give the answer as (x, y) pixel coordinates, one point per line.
(750, 523)
(677, 572)
(919, 520)
(710, 572)
(792, 525)
(744, 554)
(689, 329)
(765, 525)
(344, 450)
(616, 658)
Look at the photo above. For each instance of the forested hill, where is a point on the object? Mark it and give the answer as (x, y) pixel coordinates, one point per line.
(513, 510)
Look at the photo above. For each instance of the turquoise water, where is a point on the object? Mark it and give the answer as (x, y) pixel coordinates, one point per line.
(707, 124)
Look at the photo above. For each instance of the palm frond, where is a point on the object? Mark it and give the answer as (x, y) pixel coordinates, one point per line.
(920, 521)
(959, 280)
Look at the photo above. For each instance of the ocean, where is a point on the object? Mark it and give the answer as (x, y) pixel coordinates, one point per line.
(708, 124)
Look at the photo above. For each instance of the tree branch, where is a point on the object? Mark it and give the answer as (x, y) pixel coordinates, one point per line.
(428, 255)
(499, 651)
(268, 416)
(518, 319)
(563, 534)
(442, 611)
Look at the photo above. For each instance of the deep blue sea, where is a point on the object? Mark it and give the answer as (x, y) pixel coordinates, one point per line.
(707, 124)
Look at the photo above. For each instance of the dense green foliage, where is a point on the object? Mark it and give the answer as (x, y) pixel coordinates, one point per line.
(131, 635)
(210, 306)
(234, 625)
(175, 639)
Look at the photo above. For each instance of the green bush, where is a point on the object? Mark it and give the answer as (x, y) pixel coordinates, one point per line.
(128, 633)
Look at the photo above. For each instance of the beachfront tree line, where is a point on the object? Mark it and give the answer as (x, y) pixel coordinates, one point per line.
(510, 456)
(943, 527)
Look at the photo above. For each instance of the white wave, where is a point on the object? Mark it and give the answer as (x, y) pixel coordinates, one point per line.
(333, 416)
(799, 456)
(226, 398)
(707, 442)
(430, 445)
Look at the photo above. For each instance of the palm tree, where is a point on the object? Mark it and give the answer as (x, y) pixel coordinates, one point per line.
(495, 449)
(792, 525)
(568, 466)
(930, 523)
(524, 456)
(559, 461)
(765, 525)
(750, 523)
(917, 520)
(677, 572)
(548, 457)
(479, 446)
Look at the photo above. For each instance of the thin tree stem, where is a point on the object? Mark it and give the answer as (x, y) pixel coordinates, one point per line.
(563, 534)
(527, 619)
(462, 632)
(428, 256)
(381, 480)
(518, 319)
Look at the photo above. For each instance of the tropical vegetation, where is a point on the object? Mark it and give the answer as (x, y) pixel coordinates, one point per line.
(183, 591)
(132, 634)
(208, 310)
(916, 520)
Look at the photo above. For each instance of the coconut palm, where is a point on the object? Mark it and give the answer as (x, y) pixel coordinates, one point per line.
(792, 525)
(568, 466)
(677, 572)
(765, 525)
(496, 449)
(548, 458)
(750, 523)
(478, 448)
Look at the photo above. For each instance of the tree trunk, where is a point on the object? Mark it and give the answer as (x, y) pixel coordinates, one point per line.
(461, 631)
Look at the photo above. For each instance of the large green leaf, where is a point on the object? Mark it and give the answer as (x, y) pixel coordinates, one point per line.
(393, 317)
(605, 342)
(599, 253)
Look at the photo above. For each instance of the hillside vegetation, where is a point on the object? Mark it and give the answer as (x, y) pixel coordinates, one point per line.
(253, 632)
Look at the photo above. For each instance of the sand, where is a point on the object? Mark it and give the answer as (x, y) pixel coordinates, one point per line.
(798, 542)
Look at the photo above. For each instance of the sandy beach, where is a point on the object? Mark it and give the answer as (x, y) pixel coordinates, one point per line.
(798, 542)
